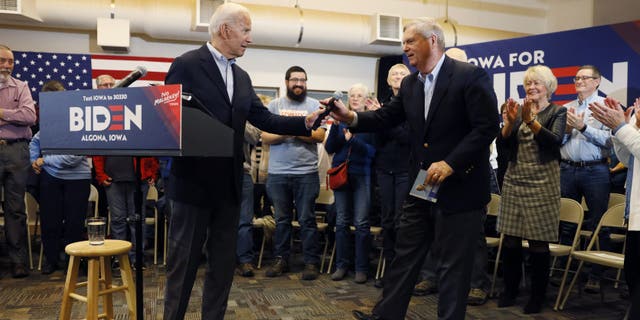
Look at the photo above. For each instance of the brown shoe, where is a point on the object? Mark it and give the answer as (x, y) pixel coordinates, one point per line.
(245, 270)
(19, 271)
(477, 297)
(424, 288)
(279, 267)
(310, 272)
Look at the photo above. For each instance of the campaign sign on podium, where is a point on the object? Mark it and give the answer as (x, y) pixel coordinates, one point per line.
(126, 121)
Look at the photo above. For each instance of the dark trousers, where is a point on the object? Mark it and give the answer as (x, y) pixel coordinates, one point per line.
(479, 276)
(632, 271)
(394, 187)
(421, 224)
(190, 226)
(14, 166)
(63, 210)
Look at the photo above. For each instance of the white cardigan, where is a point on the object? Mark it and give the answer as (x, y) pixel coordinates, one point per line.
(627, 142)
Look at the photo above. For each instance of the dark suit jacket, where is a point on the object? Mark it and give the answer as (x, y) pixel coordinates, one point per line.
(462, 122)
(196, 180)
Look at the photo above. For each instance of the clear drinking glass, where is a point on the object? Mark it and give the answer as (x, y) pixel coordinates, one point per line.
(96, 230)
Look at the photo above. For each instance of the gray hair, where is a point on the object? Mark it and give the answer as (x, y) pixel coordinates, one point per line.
(101, 78)
(3, 47)
(359, 87)
(544, 74)
(427, 27)
(226, 13)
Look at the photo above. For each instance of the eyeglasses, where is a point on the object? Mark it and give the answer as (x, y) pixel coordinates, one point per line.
(294, 80)
(5, 60)
(583, 78)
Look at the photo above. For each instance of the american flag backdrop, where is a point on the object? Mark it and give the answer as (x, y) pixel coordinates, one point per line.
(78, 71)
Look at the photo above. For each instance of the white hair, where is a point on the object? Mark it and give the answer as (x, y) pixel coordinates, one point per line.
(426, 27)
(226, 13)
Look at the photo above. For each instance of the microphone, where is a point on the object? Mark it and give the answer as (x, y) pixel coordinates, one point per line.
(136, 74)
(328, 108)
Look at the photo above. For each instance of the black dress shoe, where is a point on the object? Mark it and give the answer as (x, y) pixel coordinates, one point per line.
(359, 315)
(19, 271)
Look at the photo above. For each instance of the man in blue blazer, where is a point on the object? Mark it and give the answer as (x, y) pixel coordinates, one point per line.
(452, 114)
(206, 191)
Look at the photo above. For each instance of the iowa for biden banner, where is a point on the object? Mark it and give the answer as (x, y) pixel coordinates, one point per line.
(128, 121)
(614, 49)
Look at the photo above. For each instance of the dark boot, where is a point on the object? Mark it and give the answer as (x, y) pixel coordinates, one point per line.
(539, 280)
(512, 272)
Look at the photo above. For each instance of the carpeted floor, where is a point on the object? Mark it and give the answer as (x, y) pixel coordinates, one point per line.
(286, 298)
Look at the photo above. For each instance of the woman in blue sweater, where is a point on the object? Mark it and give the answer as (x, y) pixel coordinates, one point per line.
(354, 200)
(64, 190)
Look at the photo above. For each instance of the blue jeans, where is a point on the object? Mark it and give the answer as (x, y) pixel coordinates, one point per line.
(352, 205)
(301, 190)
(592, 183)
(394, 187)
(493, 181)
(120, 196)
(244, 250)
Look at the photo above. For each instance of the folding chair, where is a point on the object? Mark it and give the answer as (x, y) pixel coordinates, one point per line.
(614, 199)
(93, 197)
(375, 232)
(613, 218)
(570, 212)
(325, 197)
(152, 195)
(492, 210)
(33, 219)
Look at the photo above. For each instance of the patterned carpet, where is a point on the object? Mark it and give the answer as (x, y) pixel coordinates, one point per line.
(286, 298)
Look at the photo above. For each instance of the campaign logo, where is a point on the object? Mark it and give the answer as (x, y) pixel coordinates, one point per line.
(100, 118)
(615, 55)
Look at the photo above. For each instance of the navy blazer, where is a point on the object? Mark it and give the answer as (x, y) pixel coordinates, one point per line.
(197, 180)
(461, 124)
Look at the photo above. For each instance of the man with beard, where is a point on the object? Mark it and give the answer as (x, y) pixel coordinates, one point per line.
(293, 177)
(17, 114)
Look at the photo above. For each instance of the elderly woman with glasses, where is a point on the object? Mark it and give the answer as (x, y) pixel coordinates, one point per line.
(530, 206)
(352, 201)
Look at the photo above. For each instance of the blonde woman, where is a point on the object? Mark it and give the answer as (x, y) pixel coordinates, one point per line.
(530, 205)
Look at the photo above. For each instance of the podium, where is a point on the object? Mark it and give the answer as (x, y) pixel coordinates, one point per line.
(204, 136)
(142, 121)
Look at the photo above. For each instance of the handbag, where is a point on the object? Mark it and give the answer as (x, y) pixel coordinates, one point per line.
(338, 177)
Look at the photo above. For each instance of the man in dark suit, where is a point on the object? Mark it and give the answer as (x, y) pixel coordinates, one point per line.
(450, 107)
(206, 191)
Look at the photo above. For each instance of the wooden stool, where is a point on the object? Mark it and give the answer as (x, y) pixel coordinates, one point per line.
(99, 273)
